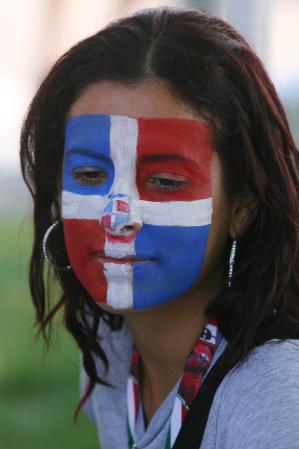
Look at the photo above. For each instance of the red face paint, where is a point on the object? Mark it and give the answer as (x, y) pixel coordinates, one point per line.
(178, 147)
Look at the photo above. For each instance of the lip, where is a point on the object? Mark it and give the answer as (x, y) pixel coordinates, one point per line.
(121, 260)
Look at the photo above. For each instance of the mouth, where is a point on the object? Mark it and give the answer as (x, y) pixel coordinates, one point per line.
(121, 260)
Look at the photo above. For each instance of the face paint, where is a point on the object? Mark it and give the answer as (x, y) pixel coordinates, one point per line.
(136, 206)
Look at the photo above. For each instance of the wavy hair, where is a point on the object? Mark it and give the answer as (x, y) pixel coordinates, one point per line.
(207, 65)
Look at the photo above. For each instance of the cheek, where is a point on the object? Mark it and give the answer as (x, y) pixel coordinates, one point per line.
(84, 239)
(218, 234)
(178, 254)
(215, 264)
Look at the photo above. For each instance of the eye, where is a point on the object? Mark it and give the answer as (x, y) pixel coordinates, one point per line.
(90, 176)
(166, 182)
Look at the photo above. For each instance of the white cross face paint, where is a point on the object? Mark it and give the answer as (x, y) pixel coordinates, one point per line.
(136, 206)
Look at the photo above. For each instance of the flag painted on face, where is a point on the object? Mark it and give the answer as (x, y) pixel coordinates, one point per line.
(136, 206)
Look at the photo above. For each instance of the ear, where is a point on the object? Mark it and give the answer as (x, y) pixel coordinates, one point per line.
(243, 212)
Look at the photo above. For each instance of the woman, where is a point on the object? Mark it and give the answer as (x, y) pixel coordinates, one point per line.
(165, 186)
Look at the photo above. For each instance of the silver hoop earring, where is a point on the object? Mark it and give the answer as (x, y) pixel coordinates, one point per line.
(232, 262)
(44, 246)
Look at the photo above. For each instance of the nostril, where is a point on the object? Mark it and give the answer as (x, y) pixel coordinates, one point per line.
(128, 228)
(134, 227)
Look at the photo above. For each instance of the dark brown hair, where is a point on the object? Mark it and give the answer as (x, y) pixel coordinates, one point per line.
(209, 66)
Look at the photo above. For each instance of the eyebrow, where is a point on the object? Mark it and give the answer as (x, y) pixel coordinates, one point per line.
(164, 157)
(141, 159)
(87, 152)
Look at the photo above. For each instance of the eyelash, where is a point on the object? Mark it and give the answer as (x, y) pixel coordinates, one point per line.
(90, 176)
(170, 183)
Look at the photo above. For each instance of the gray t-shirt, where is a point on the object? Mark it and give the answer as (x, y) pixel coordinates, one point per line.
(255, 407)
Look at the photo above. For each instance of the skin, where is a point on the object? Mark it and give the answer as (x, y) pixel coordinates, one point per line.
(165, 335)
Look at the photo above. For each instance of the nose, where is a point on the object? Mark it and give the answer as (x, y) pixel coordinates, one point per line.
(118, 220)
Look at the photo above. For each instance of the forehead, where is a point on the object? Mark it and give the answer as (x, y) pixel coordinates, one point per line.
(151, 137)
(151, 98)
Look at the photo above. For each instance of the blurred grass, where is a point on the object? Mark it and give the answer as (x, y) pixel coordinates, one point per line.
(38, 391)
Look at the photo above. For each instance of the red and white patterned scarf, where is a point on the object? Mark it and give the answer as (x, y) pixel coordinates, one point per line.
(196, 367)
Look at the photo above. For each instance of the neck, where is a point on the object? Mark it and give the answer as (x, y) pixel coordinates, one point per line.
(164, 337)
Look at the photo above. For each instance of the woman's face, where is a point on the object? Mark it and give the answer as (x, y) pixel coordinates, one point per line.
(145, 217)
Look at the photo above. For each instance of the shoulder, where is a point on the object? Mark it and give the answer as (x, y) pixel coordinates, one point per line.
(270, 361)
(257, 404)
(273, 363)
(117, 346)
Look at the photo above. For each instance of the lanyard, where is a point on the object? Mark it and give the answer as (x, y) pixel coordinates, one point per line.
(196, 367)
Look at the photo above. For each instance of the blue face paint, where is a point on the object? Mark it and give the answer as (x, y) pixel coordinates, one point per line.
(87, 145)
(176, 264)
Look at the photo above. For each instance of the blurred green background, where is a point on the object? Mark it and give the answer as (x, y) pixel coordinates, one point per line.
(38, 391)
